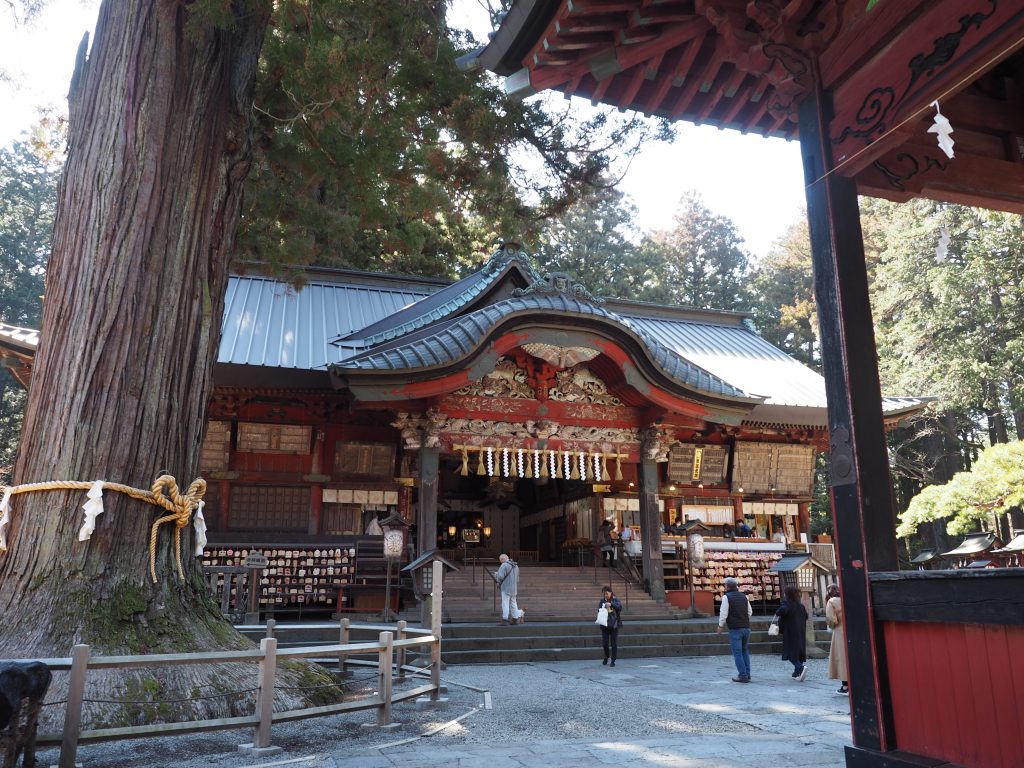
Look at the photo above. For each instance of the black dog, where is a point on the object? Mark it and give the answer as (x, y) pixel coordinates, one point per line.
(18, 681)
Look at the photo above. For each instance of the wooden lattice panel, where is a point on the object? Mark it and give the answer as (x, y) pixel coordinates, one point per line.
(371, 459)
(342, 518)
(794, 469)
(752, 468)
(216, 447)
(694, 464)
(269, 508)
(274, 438)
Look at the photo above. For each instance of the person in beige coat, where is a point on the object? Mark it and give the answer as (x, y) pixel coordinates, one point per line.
(837, 669)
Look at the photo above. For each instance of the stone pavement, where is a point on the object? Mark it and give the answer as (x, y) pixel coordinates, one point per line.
(644, 712)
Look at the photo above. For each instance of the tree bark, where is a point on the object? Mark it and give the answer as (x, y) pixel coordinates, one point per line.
(147, 211)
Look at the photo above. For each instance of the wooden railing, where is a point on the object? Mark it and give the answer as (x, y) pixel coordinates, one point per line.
(387, 648)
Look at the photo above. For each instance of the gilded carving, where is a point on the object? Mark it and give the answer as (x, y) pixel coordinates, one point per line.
(506, 380)
(579, 385)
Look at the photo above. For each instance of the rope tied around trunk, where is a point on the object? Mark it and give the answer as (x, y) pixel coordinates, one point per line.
(163, 493)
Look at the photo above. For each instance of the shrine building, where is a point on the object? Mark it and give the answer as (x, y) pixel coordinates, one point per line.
(506, 412)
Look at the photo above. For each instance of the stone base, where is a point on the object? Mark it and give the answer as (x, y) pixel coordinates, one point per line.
(425, 702)
(374, 726)
(252, 749)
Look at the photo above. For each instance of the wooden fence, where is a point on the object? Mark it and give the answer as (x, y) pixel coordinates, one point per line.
(387, 648)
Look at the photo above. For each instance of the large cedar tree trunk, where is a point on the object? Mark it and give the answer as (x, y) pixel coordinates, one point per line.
(147, 210)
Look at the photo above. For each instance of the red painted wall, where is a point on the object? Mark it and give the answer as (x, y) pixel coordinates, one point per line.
(958, 691)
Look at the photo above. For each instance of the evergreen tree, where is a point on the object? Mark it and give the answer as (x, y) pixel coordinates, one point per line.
(699, 262)
(28, 185)
(593, 240)
(377, 152)
(782, 288)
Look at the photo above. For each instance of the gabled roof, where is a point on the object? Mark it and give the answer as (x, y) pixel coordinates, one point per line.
(447, 301)
(791, 562)
(449, 341)
(974, 544)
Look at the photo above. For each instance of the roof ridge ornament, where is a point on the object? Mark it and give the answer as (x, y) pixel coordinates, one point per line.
(510, 251)
(559, 282)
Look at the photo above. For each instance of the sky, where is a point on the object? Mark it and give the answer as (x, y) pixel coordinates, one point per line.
(755, 182)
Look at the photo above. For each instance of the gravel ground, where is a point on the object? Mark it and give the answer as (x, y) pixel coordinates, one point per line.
(531, 703)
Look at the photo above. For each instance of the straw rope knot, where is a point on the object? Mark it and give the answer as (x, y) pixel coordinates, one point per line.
(163, 493)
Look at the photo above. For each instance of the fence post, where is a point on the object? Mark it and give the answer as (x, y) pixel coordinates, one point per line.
(384, 661)
(265, 698)
(343, 639)
(73, 711)
(400, 655)
(435, 648)
(271, 624)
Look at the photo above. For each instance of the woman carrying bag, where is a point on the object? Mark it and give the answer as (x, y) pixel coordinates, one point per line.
(792, 619)
(837, 669)
(609, 618)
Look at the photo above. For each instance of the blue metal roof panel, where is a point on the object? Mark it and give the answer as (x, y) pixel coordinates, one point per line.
(269, 323)
(739, 356)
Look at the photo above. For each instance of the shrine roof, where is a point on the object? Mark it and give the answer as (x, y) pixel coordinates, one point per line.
(392, 323)
(268, 322)
(975, 543)
(457, 337)
(19, 339)
(508, 262)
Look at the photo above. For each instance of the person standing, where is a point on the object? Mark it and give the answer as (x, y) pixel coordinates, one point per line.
(735, 614)
(507, 579)
(604, 543)
(610, 633)
(837, 669)
(792, 618)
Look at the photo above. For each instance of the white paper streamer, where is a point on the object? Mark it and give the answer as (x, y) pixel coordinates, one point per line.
(92, 508)
(942, 247)
(5, 508)
(199, 523)
(943, 131)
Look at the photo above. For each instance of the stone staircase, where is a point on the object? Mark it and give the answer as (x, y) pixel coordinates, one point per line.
(547, 594)
(638, 638)
(561, 603)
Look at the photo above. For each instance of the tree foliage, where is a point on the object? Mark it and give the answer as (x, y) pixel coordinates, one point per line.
(699, 262)
(377, 152)
(782, 288)
(993, 486)
(28, 186)
(953, 327)
(594, 241)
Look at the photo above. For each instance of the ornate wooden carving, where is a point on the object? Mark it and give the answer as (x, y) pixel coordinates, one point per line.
(579, 385)
(506, 380)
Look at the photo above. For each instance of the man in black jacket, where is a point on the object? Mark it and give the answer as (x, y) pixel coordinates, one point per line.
(735, 614)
